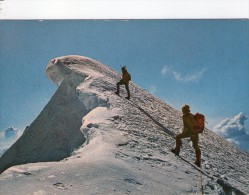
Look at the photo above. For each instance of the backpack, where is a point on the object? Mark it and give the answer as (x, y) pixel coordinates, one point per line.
(199, 123)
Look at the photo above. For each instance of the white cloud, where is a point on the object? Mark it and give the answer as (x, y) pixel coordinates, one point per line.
(183, 78)
(191, 77)
(164, 70)
(152, 89)
(8, 137)
(233, 130)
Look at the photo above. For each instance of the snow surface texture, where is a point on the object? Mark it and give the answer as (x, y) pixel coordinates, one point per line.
(87, 140)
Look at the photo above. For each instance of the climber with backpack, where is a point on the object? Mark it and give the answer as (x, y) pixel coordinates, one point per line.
(126, 78)
(192, 126)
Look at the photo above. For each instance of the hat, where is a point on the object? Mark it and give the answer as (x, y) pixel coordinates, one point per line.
(185, 108)
(123, 67)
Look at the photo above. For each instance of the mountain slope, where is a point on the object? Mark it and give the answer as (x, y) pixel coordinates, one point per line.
(114, 146)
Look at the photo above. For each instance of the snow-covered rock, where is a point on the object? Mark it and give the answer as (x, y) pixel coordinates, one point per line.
(87, 140)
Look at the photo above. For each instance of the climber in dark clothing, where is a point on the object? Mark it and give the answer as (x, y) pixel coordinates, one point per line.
(124, 81)
(188, 125)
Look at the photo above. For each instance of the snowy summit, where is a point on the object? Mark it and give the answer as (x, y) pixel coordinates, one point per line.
(87, 140)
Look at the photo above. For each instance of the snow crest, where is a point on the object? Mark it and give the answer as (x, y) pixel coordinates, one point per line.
(59, 123)
(79, 72)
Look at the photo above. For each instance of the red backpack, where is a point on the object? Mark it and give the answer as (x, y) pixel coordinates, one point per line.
(199, 123)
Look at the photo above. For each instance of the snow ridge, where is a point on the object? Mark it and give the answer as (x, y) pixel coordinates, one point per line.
(105, 144)
(59, 122)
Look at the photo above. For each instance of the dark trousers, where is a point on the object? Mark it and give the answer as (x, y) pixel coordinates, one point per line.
(195, 139)
(121, 82)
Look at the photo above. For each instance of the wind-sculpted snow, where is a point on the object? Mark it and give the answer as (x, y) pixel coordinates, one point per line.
(58, 125)
(76, 69)
(106, 144)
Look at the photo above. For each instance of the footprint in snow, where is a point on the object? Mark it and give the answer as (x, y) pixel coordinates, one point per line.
(60, 186)
(123, 144)
(26, 173)
(132, 181)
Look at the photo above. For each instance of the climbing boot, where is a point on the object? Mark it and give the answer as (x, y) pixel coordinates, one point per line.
(198, 157)
(176, 151)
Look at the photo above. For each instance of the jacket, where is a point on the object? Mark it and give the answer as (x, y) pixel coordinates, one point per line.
(126, 77)
(188, 123)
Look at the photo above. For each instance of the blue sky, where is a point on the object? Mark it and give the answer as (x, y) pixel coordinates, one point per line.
(200, 62)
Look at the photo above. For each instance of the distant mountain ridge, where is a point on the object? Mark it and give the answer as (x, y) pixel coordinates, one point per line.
(136, 139)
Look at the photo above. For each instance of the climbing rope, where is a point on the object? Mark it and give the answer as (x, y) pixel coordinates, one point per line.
(166, 130)
(201, 188)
